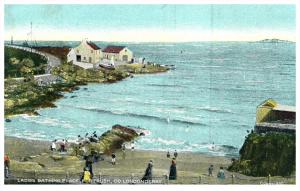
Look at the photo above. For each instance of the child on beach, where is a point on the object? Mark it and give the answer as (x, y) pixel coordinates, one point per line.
(168, 154)
(123, 151)
(86, 176)
(221, 174)
(113, 159)
(210, 170)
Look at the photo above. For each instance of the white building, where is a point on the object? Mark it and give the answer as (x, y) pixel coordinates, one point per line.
(86, 52)
(117, 53)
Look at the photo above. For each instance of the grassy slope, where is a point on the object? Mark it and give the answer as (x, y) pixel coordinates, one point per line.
(13, 70)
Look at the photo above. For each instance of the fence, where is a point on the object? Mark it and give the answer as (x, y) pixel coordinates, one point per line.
(44, 177)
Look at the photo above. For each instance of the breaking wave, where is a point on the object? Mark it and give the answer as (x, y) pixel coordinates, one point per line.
(143, 116)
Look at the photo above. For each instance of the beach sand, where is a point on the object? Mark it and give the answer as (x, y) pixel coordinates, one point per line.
(191, 167)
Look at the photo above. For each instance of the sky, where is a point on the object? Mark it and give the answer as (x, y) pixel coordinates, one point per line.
(151, 23)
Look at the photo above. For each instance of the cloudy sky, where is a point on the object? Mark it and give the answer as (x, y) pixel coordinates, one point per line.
(148, 23)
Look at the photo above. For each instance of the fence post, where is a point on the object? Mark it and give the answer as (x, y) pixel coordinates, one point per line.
(200, 179)
(269, 176)
(232, 178)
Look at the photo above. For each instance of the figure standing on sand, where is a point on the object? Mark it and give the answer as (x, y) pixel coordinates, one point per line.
(175, 154)
(123, 151)
(210, 170)
(173, 171)
(148, 173)
(221, 174)
(89, 163)
(113, 159)
(168, 154)
(53, 145)
(63, 146)
(6, 165)
(86, 176)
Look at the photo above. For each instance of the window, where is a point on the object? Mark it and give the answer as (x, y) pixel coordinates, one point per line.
(91, 51)
(77, 51)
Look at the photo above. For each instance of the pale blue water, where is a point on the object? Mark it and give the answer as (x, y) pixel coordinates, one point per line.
(210, 98)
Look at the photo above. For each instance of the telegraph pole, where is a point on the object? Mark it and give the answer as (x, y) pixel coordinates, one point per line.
(31, 36)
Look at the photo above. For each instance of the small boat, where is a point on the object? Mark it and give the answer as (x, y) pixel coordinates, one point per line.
(107, 66)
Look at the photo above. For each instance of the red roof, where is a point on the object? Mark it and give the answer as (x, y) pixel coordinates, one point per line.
(113, 49)
(93, 45)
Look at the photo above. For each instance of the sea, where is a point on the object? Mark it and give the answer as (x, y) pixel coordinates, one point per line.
(206, 105)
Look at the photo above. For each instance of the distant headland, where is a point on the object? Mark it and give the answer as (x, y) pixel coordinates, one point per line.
(274, 40)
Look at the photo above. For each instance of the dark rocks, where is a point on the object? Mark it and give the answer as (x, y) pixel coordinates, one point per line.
(271, 153)
(7, 120)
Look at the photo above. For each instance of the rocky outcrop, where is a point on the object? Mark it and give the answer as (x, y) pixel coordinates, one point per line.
(113, 139)
(264, 154)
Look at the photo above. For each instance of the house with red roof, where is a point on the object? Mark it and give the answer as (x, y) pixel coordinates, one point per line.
(85, 52)
(118, 53)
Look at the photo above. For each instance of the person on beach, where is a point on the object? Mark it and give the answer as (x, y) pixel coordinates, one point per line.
(210, 170)
(89, 163)
(53, 145)
(86, 176)
(6, 165)
(168, 154)
(173, 171)
(148, 173)
(123, 151)
(63, 146)
(113, 159)
(221, 174)
(175, 154)
(132, 146)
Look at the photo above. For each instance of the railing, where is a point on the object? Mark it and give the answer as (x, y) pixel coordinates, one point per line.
(44, 177)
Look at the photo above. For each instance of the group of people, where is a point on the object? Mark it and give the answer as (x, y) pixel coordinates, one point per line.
(93, 138)
(220, 175)
(147, 178)
(175, 154)
(62, 143)
(172, 171)
(87, 174)
(123, 148)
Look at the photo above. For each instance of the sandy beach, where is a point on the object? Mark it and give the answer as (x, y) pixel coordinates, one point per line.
(191, 167)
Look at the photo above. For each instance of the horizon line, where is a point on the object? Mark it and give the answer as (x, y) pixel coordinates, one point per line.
(57, 40)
